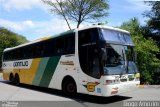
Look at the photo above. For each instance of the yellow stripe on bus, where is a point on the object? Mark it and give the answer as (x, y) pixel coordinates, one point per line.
(33, 70)
(6, 74)
(27, 75)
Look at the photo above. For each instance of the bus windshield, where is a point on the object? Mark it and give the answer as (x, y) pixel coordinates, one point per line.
(119, 55)
(131, 59)
(114, 62)
(119, 59)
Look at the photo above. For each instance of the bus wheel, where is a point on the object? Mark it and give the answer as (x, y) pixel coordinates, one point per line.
(69, 87)
(16, 79)
(11, 78)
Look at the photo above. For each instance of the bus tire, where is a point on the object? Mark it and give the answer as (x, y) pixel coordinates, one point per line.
(11, 78)
(69, 87)
(16, 79)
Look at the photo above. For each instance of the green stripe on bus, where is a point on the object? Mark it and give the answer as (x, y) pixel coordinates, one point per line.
(49, 71)
(40, 71)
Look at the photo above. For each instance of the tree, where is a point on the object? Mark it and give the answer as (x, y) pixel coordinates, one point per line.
(9, 39)
(152, 29)
(79, 10)
(146, 49)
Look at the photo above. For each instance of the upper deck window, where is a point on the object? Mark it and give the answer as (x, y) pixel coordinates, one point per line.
(111, 36)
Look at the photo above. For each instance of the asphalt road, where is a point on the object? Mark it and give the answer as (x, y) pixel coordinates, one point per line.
(31, 96)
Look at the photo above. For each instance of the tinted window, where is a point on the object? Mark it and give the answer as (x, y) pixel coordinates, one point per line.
(55, 46)
(89, 52)
(60, 46)
(88, 37)
(70, 44)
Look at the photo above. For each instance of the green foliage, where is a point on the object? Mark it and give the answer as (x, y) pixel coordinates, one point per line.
(79, 10)
(9, 39)
(152, 29)
(146, 51)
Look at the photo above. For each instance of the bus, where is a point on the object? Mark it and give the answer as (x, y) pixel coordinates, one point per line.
(96, 60)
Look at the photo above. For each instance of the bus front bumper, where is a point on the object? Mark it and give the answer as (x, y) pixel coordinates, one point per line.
(115, 89)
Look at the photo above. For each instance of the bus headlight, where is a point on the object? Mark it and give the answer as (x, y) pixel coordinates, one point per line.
(109, 82)
(112, 82)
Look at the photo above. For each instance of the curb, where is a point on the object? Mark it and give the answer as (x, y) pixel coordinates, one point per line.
(140, 86)
(149, 86)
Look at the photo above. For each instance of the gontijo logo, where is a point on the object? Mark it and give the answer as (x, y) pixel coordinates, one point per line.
(19, 64)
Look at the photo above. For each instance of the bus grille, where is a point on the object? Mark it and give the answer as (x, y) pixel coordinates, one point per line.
(131, 79)
(123, 80)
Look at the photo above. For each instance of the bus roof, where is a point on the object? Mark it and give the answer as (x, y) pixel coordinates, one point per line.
(104, 27)
(67, 32)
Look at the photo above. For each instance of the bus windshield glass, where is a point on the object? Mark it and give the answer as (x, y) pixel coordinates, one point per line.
(131, 59)
(119, 55)
(114, 60)
(119, 59)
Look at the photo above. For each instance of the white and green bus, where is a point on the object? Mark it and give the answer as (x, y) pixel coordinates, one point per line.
(96, 60)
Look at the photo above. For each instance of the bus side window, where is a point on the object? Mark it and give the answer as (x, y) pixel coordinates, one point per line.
(24, 52)
(60, 46)
(42, 49)
(70, 44)
(4, 57)
(30, 52)
(13, 55)
(84, 38)
(27, 52)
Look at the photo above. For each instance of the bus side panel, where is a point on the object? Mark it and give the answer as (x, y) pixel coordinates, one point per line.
(49, 71)
(27, 75)
(6, 70)
(65, 67)
(6, 74)
(30, 74)
(26, 69)
(16, 71)
(21, 76)
(40, 71)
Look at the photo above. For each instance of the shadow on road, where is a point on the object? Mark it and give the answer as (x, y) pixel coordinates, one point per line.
(81, 98)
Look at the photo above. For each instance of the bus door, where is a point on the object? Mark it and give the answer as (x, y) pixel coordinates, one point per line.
(83, 80)
(89, 78)
(94, 73)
